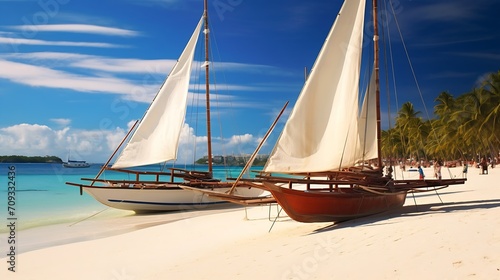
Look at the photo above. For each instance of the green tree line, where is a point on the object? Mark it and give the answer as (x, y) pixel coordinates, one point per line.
(27, 159)
(464, 127)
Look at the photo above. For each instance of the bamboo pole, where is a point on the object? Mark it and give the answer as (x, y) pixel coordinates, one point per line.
(116, 150)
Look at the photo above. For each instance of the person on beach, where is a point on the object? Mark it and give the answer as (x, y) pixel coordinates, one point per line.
(437, 169)
(464, 171)
(484, 166)
(388, 171)
(421, 172)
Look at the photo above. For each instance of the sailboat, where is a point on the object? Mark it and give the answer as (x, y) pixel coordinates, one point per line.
(326, 165)
(155, 139)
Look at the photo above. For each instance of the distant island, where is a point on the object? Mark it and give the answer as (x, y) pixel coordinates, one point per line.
(32, 159)
(260, 160)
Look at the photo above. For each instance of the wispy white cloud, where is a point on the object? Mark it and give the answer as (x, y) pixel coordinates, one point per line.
(61, 122)
(40, 76)
(452, 18)
(224, 100)
(482, 78)
(248, 68)
(44, 56)
(118, 65)
(22, 41)
(480, 55)
(63, 70)
(130, 65)
(94, 62)
(77, 28)
(446, 11)
(225, 87)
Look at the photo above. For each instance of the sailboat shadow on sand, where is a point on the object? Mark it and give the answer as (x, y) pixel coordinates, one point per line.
(411, 211)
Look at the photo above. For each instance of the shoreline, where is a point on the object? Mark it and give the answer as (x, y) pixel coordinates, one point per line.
(456, 238)
(105, 223)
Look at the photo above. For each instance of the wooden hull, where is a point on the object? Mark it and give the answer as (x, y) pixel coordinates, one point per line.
(160, 199)
(325, 206)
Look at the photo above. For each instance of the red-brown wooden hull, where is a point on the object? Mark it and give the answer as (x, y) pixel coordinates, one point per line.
(324, 206)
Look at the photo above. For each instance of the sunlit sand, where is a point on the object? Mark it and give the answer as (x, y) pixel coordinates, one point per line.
(453, 235)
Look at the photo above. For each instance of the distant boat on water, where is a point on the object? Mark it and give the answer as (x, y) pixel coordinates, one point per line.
(76, 164)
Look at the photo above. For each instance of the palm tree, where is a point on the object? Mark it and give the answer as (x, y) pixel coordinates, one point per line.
(410, 129)
(392, 145)
(466, 125)
(445, 132)
(445, 106)
(491, 88)
(473, 113)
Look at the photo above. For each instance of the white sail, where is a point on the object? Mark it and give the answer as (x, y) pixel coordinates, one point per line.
(368, 124)
(156, 138)
(321, 133)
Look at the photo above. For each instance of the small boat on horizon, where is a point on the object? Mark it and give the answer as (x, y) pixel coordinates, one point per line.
(76, 164)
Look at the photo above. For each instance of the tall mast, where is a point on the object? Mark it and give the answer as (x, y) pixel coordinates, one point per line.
(377, 80)
(207, 86)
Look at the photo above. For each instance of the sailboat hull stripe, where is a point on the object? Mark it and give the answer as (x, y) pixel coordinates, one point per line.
(163, 203)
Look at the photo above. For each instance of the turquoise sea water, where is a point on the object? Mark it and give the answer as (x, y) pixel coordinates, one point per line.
(42, 196)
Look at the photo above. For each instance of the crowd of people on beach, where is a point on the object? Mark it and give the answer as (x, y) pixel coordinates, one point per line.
(483, 164)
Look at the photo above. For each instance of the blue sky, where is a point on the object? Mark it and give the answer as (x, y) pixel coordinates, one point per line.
(74, 74)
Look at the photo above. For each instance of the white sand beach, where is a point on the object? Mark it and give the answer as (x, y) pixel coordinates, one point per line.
(458, 238)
